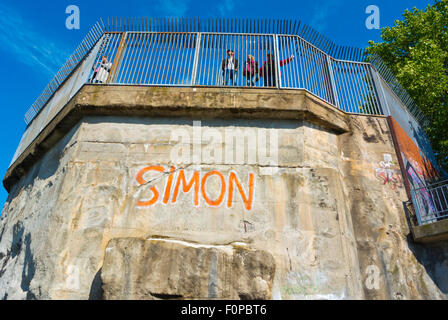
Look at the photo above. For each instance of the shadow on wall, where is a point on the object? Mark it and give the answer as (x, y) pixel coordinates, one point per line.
(29, 269)
(29, 266)
(96, 289)
(433, 257)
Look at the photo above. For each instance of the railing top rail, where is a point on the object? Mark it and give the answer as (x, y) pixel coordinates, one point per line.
(434, 185)
(236, 25)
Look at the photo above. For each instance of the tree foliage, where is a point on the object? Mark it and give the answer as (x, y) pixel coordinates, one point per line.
(416, 51)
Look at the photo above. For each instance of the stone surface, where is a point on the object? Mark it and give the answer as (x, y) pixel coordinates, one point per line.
(169, 269)
(333, 225)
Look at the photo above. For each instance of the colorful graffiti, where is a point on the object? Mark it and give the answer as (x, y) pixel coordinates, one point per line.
(201, 186)
(412, 154)
(388, 173)
(424, 198)
(419, 170)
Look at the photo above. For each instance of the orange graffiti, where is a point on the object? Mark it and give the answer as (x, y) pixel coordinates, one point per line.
(247, 200)
(186, 187)
(177, 178)
(223, 188)
(154, 190)
(166, 197)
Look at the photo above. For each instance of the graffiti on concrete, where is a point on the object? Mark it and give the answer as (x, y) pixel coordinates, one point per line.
(389, 173)
(212, 188)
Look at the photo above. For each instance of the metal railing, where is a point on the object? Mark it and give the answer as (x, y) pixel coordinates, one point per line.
(95, 33)
(264, 60)
(431, 202)
(189, 52)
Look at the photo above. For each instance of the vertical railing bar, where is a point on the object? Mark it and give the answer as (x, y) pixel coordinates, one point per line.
(417, 207)
(350, 95)
(297, 75)
(342, 81)
(206, 56)
(359, 86)
(210, 58)
(166, 64)
(320, 71)
(289, 69)
(167, 52)
(176, 59)
(352, 87)
(134, 55)
(200, 70)
(214, 71)
(365, 84)
(309, 67)
(125, 55)
(162, 55)
(196, 57)
(369, 95)
(313, 69)
(356, 87)
(374, 92)
(154, 39)
(139, 61)
(332, 81)
(300, 54)
(131, 51)
(277, 60)
(328, 90)
(121, 68)
(185, 53)
(367, 92)
(113, 54)
(116, 69)
(173, 60)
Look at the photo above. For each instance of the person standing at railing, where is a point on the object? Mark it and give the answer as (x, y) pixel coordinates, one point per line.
(267, 70)
(229, 67)
(102, 72)
(250, 70)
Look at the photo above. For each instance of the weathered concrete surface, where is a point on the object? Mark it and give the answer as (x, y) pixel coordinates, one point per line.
(433, 232)
(176, 102)
(330, 212)
(165, 269)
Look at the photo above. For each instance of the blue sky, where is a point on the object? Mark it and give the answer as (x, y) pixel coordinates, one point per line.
(34, 42)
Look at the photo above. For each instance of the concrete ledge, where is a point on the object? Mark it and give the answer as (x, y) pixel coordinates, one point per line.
(433, 232)
(198, 102)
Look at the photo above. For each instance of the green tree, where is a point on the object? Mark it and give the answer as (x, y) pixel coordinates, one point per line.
(416, 51)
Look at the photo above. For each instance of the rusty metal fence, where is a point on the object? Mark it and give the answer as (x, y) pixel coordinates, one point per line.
(431, 202)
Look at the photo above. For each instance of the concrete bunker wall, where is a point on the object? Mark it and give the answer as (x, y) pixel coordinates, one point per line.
(323, 223)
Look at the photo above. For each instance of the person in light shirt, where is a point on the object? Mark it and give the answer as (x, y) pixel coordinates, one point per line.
(229, 67)
(102, 72)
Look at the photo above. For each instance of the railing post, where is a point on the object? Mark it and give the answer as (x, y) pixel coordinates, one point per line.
(118, 58)
(416, 205)
(381, 96)
(332, 82)
(196, 59)
(278, 79)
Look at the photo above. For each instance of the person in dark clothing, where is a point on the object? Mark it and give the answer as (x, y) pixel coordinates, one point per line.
(229, 67)
(267, 70)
